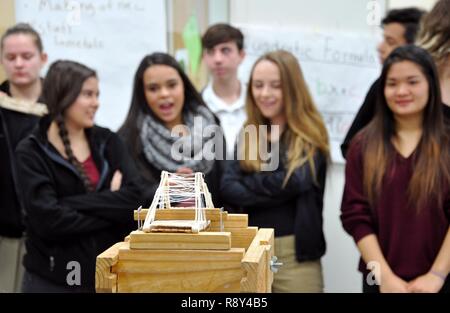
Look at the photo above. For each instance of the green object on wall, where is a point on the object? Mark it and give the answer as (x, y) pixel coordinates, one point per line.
(193, 44)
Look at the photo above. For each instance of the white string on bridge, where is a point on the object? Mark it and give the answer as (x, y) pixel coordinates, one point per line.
(185, 190)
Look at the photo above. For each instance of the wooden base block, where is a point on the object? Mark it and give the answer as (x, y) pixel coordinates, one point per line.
(256, 263)
(204, 281)
(229, 257)
(240, 237)
(178, 241)
(236, 221)
(179, 270)
(105, 279)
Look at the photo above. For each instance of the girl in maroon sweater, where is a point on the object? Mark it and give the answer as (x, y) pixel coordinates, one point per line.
(396, 201)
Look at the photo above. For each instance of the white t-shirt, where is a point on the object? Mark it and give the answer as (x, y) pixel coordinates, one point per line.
(231, 116)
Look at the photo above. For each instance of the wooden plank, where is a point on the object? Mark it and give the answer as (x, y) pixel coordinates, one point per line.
(171, 266)
(105, 280)
(256, 263)
(236, 221)
(178, 241)
(231, 221)
(253, 265)
(182, 214)
(269, 251)
(212, 280)
(242, 237)
(178, 226)
(233, 254)
(179, 270)
(264, 236)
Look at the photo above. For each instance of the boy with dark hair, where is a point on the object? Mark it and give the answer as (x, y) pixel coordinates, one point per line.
(400, 27)
(223, 52)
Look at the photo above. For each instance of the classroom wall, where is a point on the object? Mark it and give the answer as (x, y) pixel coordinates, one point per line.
(424, 4)
(320, 14)
(6, 20)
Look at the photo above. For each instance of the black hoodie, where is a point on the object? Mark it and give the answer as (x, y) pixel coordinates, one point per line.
(14, 126)
(64, 222)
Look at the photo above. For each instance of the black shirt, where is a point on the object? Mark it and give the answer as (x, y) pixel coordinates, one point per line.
(363, 117)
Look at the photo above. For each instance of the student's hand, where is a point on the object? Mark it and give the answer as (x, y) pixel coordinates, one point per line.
(116, 181)
(184, 170)
(426, 283)
(392, 283)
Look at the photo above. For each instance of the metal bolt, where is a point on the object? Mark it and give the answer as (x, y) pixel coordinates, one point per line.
(274, 265)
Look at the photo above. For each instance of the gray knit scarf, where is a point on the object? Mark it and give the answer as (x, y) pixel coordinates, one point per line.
(157, 142)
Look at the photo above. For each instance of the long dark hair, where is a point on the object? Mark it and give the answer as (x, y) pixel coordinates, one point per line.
(431, 160)
(139, 107)
(62, 86)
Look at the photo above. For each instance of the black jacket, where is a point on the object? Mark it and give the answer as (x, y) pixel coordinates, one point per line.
(64, 222)
(363, 117)
(367, 112)
(295, 209)
(14, 126)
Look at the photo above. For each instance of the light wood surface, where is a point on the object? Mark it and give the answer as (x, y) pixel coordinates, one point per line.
(256, 263)
(236, 260)
(105, 279)
(179, 241)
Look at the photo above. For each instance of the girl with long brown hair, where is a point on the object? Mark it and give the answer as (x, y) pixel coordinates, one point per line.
(286, 195)
(396, 201)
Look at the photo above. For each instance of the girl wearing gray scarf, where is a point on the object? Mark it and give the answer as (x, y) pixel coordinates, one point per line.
(168, 126)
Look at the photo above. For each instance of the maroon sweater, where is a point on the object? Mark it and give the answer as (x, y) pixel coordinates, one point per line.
(409, 241)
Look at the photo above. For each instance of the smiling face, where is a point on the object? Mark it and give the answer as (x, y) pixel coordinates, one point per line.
(22, 59)
(406, 89)
(164, 92)
(267, 92)
(81, 113)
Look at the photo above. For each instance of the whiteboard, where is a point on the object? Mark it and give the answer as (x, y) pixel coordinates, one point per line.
(110, 36)
(338, 67)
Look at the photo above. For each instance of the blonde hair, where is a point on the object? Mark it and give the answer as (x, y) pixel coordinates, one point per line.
(305, 130)
(434, 34)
